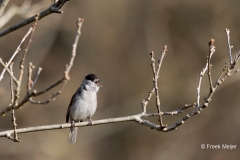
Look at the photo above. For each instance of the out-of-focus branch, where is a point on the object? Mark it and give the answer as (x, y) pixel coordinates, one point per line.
(25, 10)
(3, 4)
(54, 8)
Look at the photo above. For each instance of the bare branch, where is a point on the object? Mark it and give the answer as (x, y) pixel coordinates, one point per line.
(135, 118)
(54, 8)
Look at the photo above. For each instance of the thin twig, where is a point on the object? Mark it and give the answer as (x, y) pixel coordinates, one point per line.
(15, 138)
(53, 98)
(36, 78)
(156, 76)
(11, 84)
(237, 57)
(211, 51)
(15, 53)
(144, 102)
(74, 49)
(179, 110)
(201, 75)
(54, 8)
(180, 122)
(229, 45)
(30, 82)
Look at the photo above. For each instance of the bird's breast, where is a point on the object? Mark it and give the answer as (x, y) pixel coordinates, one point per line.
(84, 107)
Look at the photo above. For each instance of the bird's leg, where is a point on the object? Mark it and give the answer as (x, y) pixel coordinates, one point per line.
(90, 121)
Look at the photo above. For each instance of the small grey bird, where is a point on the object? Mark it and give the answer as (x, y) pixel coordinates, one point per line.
(83, 104)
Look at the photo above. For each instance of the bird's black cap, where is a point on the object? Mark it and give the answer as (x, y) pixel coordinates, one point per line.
(91, 77)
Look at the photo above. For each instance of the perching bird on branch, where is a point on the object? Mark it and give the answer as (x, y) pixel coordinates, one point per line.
(83, 104)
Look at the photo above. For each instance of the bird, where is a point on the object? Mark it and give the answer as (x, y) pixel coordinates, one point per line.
(83, 104)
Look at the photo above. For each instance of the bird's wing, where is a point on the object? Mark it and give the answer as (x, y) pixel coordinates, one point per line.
(74, 98)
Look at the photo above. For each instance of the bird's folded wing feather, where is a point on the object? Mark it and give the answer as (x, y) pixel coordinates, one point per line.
(74, 98)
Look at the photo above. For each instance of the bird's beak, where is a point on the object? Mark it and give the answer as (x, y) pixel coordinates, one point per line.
(97, 82)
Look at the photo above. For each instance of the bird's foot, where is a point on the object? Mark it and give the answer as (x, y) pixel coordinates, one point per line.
(90, 122)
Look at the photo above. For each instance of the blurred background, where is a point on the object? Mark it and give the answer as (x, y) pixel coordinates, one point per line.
(116, 39)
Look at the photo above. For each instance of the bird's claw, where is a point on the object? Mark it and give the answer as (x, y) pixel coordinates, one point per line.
(90, 122)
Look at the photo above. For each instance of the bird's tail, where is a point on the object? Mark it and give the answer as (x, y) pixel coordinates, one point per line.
(72, 135)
